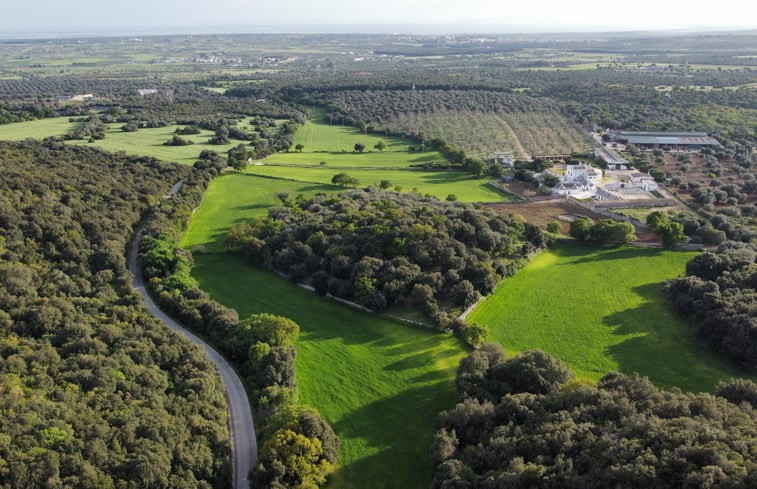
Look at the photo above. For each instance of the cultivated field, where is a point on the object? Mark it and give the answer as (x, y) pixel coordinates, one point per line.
(234, 197)
(379, 384)
(601, 309)
(524, 134)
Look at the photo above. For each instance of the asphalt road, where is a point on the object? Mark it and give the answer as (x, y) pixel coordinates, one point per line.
(243, 443)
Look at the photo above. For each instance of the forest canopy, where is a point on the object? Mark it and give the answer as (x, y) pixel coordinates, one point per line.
(383, 249)
(526, 422)
(94, 392)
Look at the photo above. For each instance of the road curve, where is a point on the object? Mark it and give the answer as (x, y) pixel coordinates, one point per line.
(243, 442)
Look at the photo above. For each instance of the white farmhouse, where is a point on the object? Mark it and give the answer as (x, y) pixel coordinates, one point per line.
(579, 181)
(574, 173)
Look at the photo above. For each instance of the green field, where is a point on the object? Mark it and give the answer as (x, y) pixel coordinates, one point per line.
(144, 142)
(437, 183)
(379, 384)
(318, 134)
(335, 143)
(371, 158)
(234, 197)
(601, 309)
(38, 129)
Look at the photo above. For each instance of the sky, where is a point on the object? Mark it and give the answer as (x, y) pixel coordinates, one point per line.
(470, 15)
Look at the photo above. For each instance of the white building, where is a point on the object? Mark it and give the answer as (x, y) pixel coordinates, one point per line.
(644, 181)
(504, 159)
(579, 181)
(576, 173)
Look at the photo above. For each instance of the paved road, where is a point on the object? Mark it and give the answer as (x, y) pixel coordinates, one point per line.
(243, 443)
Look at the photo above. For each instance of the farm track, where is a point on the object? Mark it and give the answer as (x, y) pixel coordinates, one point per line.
(515, 139)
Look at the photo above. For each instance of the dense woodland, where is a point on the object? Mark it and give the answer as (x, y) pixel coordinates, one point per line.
(526, 422)
(384, 249)
(718, 296)
(94, 391)
(296, 448)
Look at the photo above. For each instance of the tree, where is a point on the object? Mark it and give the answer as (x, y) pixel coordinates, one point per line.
(550, 180)
(475, 334)
(380, 146)
(299, 147)
(580, 228)
(268, 328)
(494, 171)
(221, 137)
(359, 147)
(554, 227)
(345, 179)
(474, 166)
(284, 196)
(238, 156)
(670, 232)
(177, 140)
(610, 231)
(385, 184)
(291, 459)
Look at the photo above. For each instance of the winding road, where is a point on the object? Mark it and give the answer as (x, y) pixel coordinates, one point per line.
(243, 442)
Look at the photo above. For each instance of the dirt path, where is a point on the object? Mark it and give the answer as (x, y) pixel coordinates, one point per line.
(514, 137)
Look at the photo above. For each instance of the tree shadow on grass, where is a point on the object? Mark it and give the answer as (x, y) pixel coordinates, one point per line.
(588, 254)
(448, 177)
(664, 348)
(250, 207)
(402, 427)
(377, 472)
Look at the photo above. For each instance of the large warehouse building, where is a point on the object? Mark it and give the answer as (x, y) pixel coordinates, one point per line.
(667, 140)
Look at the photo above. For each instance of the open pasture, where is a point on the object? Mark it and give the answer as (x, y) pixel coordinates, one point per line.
(144, 142)
(235, 197)
(327, 140)
(602, 309)
(379, 384)
(437, 183)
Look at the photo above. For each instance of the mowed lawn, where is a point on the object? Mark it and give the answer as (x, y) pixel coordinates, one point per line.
(601, 309)
(437, 183)
(379, 384)
(235, 197)
(143, 142)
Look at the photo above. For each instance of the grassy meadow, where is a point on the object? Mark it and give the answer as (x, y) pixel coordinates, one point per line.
(437, 183)
(601, 309)
(370, 158)
(334, 144)
(379, 384)
(235, 197)
(143, 142)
